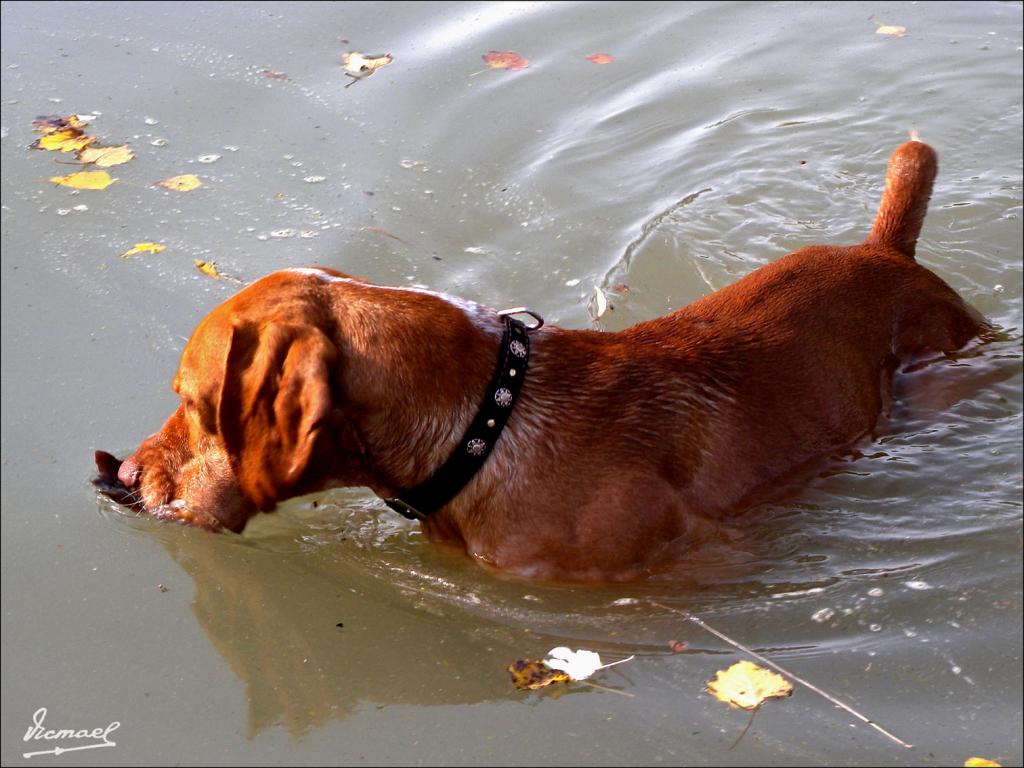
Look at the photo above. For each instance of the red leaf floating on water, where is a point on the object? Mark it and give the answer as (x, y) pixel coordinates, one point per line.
(505, 60)
(601, 58)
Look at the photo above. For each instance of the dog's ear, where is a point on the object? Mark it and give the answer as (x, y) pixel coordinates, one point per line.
(276, 397)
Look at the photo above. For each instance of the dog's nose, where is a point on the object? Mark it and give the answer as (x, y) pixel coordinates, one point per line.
(108, 465)
(128, 473)
(118, 479)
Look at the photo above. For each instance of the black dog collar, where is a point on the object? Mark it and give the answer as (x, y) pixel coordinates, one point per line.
(472, 451)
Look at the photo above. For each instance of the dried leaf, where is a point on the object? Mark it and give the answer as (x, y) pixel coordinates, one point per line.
(143, 248)
(530, 675)
(85, 180)
(64, 140)
(274, 75)
(104, 157)
(746, 685)
(980, 762)
(184, 183)
(895, 31)
(51, 123)
(360, 65)
(208, 268)
(601, 58)
(505, 60)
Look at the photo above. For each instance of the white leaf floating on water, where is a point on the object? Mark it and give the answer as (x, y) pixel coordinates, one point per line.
(599, 303)
(918, 584)
(359, 65)
(579, 665)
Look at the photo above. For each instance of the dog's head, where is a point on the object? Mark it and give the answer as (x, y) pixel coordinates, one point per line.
(258, 392)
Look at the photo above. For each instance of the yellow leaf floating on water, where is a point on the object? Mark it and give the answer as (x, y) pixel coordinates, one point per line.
(104, 157)
(63, 134)
(184, 183)
(981, 762)
(143, 248)
(746, 685)
(208, 268)
(529, 675)
(85, 180)
(64, 140)
(894, 31)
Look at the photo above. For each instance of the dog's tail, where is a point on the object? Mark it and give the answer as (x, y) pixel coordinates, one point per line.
(908, 185)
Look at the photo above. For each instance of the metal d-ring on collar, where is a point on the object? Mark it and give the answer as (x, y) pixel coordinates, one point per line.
(472, 451)
(538, 320)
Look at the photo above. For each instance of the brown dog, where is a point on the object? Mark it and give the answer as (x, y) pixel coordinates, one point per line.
(309, 379)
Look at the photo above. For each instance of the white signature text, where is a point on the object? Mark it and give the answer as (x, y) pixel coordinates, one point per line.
(38, 731)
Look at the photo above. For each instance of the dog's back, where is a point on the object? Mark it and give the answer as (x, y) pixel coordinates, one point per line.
(806, 347)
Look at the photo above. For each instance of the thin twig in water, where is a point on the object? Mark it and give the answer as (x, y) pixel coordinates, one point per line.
(704, 625)
(620, 661)
(380, 231)
(605, 688)
(750, 722)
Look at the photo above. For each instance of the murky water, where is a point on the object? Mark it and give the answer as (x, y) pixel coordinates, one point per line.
(721, 137)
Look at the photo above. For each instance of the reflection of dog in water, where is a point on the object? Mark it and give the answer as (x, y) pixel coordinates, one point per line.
(546, 452)
(309, 652)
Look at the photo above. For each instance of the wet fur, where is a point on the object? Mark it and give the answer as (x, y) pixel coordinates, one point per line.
(621, 443)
